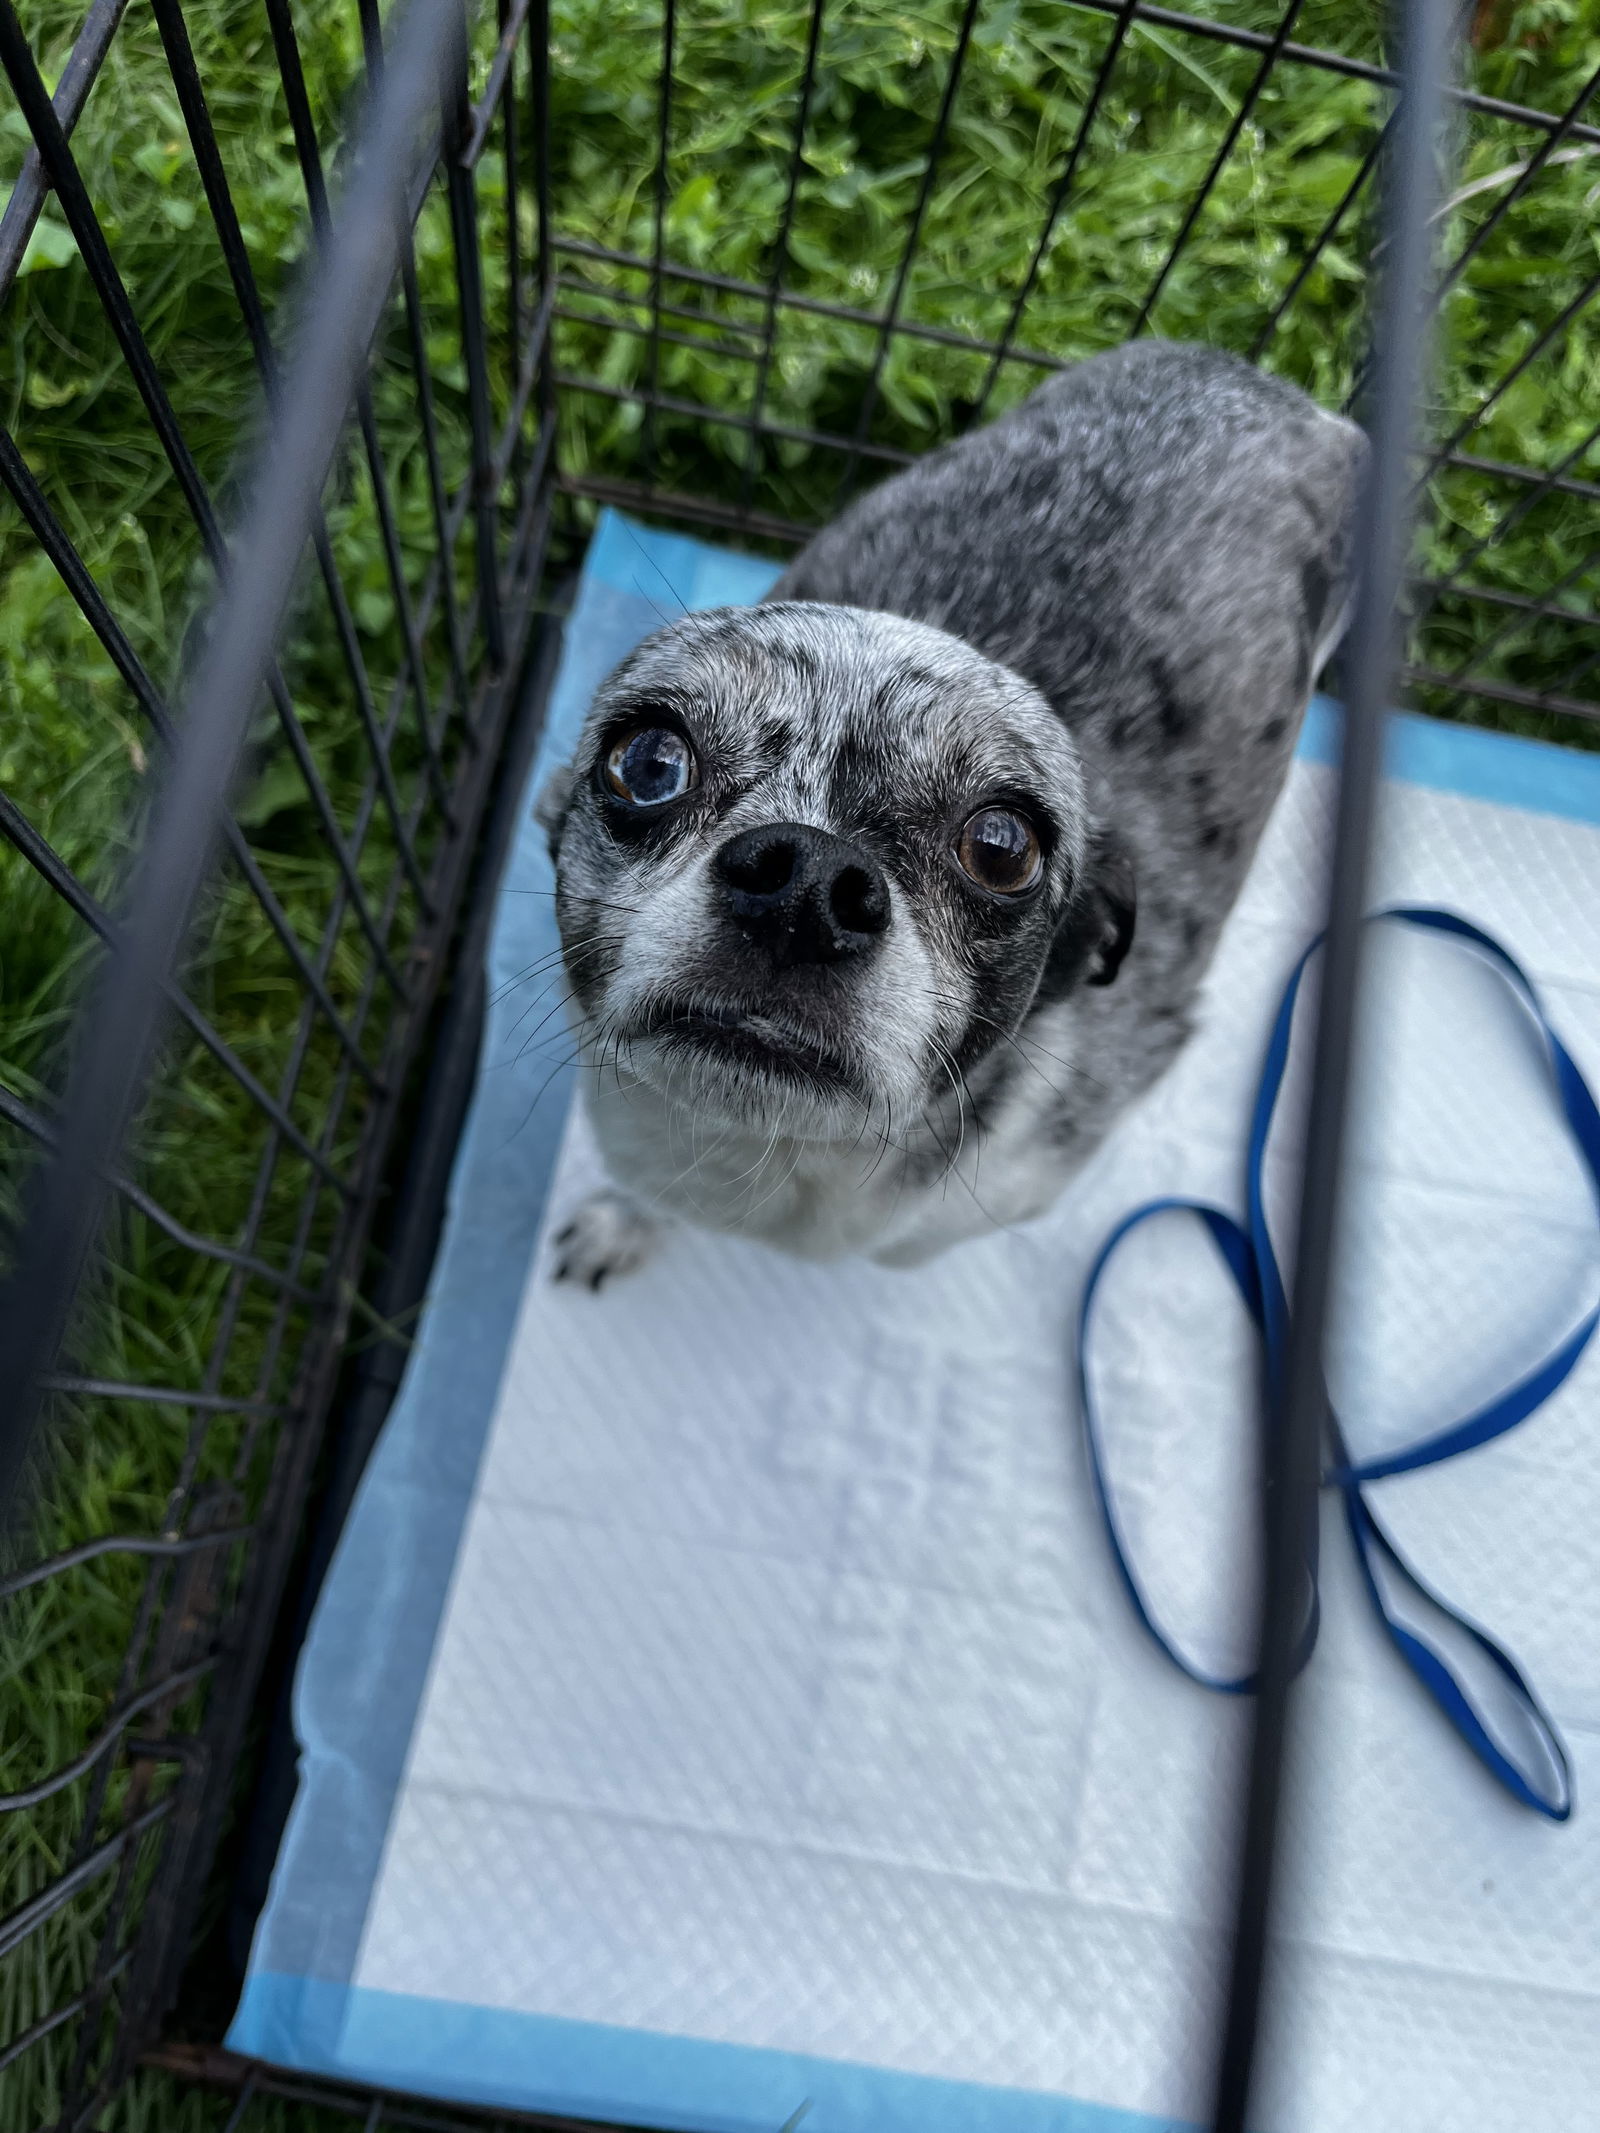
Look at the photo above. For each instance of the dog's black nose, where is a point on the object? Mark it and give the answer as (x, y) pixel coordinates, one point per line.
(805, 895)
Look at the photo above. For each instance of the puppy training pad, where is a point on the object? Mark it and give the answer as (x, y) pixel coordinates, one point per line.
(723, 1702)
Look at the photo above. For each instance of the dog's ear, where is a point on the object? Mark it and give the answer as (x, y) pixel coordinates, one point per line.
(1114, 905)
(551, 807)
(1096, 931)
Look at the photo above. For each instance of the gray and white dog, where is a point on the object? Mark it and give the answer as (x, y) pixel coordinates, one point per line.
(847, 882)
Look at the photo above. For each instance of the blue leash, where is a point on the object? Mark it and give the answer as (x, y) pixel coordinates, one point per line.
(1529, 1757)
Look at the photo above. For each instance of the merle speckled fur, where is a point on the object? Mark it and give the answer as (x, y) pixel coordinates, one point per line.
(1107, 611)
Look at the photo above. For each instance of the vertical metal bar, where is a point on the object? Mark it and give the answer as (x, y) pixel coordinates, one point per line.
(930, 172)
(780, 251)
(1410, 193)
(1269, 59)
(291, 74)
(539, 59)
(427, 414)
(26, 201)
(462, 191)
(669, 38)
(1324, 237)
(1069, 171)
(174, 34)
(438, 501)
(123, 1020)
(516, 295)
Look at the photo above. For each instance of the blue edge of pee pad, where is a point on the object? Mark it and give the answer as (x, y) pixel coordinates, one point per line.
(358, 1693)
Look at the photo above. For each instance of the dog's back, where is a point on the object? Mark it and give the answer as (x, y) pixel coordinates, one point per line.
(1156, 540)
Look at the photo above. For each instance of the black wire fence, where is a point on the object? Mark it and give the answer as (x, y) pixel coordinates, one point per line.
(393, 739)
(486, 269)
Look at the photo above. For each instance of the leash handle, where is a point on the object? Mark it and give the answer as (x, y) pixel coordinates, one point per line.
(1238, 1255)
(1477, 1686)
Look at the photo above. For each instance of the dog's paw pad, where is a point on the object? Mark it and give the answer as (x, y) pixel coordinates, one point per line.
(607, 1236)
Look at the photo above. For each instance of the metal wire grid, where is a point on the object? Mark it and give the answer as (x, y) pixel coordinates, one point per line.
(134, 1815)
(158, 1831)
(313, 2106)
(1499, 647)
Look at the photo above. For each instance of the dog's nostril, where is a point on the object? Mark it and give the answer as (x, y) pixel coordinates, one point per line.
(769, 871)
(761, 868)
(858, 901)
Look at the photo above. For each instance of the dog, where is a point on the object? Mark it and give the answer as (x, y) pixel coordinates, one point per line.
(879, 901)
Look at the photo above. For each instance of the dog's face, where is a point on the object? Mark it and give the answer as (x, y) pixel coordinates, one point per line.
(814, 863)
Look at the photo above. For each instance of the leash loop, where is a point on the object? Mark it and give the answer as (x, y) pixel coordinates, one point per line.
(1474, 1681)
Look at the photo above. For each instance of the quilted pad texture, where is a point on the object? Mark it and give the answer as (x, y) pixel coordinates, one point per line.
(724, 1700)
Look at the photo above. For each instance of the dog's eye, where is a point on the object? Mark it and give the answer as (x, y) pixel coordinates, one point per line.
(1000, 850)
(650, 765)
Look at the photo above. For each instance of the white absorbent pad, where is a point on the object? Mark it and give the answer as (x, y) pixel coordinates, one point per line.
(724, 1701)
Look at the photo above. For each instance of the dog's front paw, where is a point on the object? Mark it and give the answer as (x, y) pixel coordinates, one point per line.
(609, 1234)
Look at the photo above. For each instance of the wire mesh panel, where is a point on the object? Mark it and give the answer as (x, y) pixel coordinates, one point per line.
(865, 233)
(722, 263)
(146, 269)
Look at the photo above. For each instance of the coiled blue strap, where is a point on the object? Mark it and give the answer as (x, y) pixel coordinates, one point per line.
(1474, 1682)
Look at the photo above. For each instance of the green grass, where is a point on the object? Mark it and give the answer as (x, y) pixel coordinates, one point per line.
(75, 751)
(1157, 130)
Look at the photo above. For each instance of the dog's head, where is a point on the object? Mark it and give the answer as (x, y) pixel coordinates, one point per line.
(813, 863)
